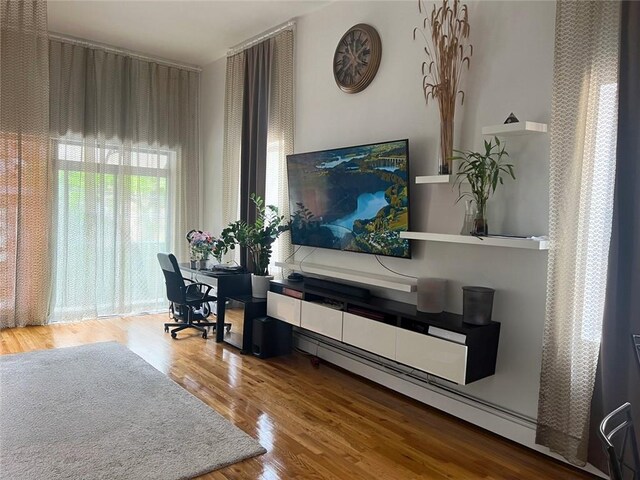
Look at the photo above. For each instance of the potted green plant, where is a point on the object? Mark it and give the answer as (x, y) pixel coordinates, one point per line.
(483, 171)
(257, 238)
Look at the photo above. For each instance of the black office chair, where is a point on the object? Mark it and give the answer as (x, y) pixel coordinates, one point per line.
(619, 441)
(189, 303)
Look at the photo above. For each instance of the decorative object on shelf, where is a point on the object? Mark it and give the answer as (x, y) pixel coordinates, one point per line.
(477, 304)
(258, 239)
(483, 172)
(447, 50)
(201, 245)
(357, 58)
(470, 214)
(431, 295)
(512, 119)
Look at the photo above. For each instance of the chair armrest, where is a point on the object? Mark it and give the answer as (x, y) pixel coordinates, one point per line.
(199, 286)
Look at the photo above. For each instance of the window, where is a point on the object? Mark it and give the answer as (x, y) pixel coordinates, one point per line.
(112, 218)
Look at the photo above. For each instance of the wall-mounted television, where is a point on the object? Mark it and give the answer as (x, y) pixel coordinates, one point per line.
(352, 198)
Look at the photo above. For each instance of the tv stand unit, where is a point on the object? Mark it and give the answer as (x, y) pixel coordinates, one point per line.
(439, 344)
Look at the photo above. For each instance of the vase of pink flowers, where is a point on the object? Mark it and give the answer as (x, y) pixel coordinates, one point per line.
(200, 247)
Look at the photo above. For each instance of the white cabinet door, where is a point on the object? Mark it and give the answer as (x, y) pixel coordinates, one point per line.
(324, 320)
(375, 337)
(440, 357)
(283, 308)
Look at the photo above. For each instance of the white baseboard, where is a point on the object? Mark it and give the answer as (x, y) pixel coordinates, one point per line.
(386, 373)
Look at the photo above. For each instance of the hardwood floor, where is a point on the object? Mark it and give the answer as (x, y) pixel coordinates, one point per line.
(319, 423)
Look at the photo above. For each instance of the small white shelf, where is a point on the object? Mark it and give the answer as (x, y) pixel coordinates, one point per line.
(497, 241)
(435, 179)
(401, 284)
(431, 179)
(518, 128)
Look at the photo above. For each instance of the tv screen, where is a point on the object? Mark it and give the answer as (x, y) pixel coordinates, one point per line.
(353, 198)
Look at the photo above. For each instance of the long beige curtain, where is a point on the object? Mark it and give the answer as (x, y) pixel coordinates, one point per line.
(234, 92)
(280, 130)
(25, 170)
(124, 135)
(583, 149)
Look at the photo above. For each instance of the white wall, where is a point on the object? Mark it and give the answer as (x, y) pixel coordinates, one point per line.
(511, 70)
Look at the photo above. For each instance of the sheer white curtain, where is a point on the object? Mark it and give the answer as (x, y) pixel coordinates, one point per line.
(25, 170)
(583, 150)
(125, 146)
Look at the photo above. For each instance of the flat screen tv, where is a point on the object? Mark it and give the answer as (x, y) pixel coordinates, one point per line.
(352, 198)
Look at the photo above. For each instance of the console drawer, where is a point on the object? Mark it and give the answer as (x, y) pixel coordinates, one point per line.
(283, 308)
(375, 337)
(320, 319)
(433, 355)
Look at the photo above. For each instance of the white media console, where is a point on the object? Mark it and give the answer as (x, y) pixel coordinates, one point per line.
(441, 345)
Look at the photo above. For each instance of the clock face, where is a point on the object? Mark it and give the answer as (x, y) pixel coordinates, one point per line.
(357, 58)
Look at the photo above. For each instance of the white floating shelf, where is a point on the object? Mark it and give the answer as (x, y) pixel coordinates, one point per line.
(435, 179)
(497, 241)
(450, 179)
(518, 128)
(401, 284)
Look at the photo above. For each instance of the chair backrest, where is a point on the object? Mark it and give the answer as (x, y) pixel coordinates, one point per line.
(176, 288)
(619, 441)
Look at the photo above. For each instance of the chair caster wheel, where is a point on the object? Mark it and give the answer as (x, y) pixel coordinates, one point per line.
(174, 335)
(204, 335)
(166, 329)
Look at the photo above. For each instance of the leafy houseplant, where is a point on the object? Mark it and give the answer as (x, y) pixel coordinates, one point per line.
(257, 238)
(483, 172)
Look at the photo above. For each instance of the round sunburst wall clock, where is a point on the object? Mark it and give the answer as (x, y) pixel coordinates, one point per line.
(357, 58)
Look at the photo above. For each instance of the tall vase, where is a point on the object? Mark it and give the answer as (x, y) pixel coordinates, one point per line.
(480, 224)
(446, 141)
(470, 214)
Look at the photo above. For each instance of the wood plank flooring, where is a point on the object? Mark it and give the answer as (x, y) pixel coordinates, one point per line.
(319, 423)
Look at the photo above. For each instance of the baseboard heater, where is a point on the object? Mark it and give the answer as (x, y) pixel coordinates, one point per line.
(409, 374)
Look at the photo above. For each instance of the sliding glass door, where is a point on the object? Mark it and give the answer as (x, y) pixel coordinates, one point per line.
(113, 215)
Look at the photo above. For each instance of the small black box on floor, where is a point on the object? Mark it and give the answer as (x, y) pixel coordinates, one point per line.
(271, 337)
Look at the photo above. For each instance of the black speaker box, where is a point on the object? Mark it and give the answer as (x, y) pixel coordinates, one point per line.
(271, 337)
(346, 290)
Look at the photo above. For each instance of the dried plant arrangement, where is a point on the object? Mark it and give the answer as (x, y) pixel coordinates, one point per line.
(445, 33)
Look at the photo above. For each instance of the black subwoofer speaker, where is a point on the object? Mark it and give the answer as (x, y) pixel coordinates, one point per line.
(271, 337)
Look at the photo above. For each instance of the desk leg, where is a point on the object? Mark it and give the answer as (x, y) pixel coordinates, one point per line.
(220, 307)
(247, 333)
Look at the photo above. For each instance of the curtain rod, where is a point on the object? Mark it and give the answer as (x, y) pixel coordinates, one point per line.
(121, 51)
(290, 25)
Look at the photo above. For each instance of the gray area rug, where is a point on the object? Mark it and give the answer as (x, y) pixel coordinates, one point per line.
(101, 412)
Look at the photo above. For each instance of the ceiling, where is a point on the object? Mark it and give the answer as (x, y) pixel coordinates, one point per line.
(185, 31)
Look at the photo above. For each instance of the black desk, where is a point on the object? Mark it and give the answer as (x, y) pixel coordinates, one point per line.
(226, 284)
